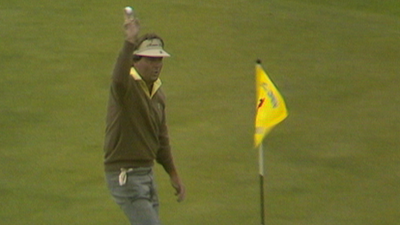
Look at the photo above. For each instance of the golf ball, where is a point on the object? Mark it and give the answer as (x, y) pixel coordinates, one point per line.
(128, 10)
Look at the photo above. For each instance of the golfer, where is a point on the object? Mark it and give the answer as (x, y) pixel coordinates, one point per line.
(136, 129)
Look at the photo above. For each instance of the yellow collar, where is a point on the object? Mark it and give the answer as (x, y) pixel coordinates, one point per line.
(137, 77)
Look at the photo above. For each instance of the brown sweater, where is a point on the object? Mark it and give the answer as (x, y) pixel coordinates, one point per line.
(136, 130)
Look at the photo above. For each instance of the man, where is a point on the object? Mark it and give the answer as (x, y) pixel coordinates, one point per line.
(136, 131)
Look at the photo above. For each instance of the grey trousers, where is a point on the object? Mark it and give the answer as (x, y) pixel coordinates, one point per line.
(134, 190)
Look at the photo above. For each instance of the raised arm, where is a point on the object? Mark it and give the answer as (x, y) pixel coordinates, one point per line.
(124, 61)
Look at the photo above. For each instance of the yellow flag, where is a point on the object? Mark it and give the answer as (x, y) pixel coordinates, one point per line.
(270, 108)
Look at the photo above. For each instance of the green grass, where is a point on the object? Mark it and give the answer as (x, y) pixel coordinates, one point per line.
(334, 160)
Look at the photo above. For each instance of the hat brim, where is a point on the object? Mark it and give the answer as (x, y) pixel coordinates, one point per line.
(152, 53)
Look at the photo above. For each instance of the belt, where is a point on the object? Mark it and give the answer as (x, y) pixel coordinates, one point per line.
(123, 175)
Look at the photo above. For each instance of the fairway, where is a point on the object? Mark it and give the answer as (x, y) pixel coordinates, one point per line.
(334, 161)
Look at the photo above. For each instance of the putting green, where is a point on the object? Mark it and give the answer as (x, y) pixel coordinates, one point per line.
(334, 160)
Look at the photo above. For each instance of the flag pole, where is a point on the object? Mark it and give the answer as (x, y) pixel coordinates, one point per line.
(270, 110)
(261, 167)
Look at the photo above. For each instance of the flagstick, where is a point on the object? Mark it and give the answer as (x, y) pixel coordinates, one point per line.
(261, 167)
